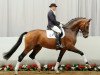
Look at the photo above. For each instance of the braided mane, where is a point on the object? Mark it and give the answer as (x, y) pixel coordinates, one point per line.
(72, 21)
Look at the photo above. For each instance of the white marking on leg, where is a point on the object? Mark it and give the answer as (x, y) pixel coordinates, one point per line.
(85, 59)
(17, 67)
(56, 67)
(37, 63)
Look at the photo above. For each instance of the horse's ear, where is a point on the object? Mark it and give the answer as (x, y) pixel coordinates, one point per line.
(89, 20)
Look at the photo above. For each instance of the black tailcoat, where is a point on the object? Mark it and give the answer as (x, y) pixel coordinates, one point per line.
(52, 20)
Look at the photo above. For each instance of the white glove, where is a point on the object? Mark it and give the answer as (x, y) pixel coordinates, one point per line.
(62, 23)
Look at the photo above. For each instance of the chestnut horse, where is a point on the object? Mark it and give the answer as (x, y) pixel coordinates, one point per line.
(36, 39)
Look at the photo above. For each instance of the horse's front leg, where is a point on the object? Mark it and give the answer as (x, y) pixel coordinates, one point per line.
(75, 50)
(59, 60)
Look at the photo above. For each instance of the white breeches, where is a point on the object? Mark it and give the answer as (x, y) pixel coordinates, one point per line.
(56, 29)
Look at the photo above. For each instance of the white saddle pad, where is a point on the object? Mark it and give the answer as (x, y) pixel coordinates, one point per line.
(51, 34)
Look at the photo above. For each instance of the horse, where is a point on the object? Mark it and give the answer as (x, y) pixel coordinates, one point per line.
(36, 39)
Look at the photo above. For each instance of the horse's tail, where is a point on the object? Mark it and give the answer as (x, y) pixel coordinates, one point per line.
(14, 48)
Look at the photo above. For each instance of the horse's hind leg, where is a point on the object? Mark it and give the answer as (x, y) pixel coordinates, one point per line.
(20, 58)
(36, 49)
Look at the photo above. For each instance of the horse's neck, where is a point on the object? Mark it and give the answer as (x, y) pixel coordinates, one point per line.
(74, 28)
(70, 31)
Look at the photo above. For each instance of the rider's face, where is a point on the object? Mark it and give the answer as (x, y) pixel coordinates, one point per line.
(53, 8)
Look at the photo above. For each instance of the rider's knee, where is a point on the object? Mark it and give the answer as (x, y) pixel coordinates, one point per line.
(56, 29)
(59, 32)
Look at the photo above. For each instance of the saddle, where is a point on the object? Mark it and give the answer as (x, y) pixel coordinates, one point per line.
(51, 33)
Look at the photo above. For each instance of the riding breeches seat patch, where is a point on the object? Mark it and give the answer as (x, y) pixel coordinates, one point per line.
(51, 33)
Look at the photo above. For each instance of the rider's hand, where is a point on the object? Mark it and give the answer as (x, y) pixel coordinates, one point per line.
(62, 23)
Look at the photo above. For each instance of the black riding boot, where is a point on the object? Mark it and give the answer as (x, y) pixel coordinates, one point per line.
(58, 41)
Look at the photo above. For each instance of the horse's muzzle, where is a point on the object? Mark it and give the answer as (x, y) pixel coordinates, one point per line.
(85, 36)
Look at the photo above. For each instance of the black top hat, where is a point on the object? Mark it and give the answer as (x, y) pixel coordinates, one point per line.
(53, 5)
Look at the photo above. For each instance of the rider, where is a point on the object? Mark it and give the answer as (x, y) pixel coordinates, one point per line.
(54, 25)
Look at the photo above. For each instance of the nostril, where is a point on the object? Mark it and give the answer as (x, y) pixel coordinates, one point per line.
(86, 36)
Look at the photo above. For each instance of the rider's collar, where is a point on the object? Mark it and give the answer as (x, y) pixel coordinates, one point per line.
(53, 11)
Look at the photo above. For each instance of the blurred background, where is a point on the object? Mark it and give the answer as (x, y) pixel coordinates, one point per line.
(18, 16)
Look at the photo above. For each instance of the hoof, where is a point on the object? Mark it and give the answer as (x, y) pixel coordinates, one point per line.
(88, 65)
(57, 72)
(39, 69)
(16, 73)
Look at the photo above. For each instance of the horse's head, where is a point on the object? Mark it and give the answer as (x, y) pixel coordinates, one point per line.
(77, 24)
(84, 27)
